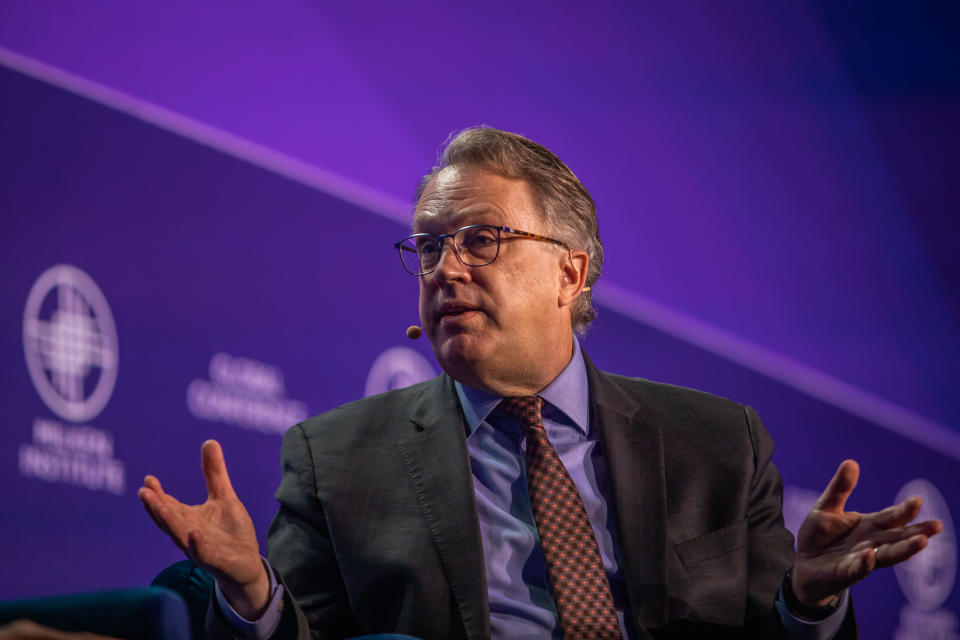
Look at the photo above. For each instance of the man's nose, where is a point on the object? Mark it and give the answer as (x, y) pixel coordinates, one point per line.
(449, 267)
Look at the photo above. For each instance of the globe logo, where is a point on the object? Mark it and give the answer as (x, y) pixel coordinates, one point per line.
(70, 343)
(396, 368)
(927, 578)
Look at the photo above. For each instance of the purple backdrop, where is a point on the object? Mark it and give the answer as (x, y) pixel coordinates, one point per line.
(775, 208)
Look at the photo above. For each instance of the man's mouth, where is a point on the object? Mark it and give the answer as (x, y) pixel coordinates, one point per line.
(454, 311)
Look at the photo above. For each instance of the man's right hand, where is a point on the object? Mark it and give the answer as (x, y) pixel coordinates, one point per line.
(218, 535)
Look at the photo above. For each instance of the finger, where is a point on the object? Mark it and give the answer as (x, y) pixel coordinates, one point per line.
(166, 511)
(896, 515)
(150, 501)
(215, 470)
(857, 566)
(891, 554)
(152, 482)
(927, 528)
(173, 517)
(173, 525)
(834, 497)
(148, 498)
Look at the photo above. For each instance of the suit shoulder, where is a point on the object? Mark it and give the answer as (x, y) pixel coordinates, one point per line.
(674, 400)
(374, 409)
(693, 417)
(668, 392)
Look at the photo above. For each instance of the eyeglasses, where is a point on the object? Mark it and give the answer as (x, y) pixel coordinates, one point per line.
(476, 246)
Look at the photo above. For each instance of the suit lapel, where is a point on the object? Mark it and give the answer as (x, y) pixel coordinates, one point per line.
(632, 441)
(436, 457)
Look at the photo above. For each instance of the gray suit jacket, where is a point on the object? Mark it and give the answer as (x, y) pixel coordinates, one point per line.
(377, 528)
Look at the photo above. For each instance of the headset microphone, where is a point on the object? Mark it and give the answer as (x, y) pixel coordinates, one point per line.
(413, 332)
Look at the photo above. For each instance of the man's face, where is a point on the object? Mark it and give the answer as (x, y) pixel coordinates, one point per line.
(501, 326)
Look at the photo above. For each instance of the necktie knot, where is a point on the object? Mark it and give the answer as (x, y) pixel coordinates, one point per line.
(526, 409)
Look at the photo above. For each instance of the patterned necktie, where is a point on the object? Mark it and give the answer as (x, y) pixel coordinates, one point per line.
(574, 567)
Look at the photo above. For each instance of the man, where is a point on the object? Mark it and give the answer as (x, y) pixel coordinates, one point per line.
(525, 493)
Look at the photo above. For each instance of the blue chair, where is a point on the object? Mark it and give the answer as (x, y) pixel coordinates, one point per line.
(156, 613)
(195, 586)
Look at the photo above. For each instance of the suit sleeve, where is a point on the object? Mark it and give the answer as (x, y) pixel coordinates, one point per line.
(770, 544)
(300, 550)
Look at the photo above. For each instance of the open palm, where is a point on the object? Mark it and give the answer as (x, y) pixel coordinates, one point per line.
(218, 534)
(836, 548)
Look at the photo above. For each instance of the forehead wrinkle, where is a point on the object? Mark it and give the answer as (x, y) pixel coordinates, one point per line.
(452, 205)
(454, 199)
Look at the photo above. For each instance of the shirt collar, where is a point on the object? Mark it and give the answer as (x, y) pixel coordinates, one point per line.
(569, 392)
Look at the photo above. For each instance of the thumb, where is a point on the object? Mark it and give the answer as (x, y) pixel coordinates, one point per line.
(834, 497)
(215, 471)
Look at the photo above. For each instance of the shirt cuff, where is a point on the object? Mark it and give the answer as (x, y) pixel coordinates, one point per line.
(800, 629)
(262, 628)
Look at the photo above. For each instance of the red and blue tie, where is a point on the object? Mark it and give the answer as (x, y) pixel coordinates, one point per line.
(574, 568)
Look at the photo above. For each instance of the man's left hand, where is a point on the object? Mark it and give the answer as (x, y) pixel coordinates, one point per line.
(836, 548)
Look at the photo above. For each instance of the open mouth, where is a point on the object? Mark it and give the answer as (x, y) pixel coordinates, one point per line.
(455, 311)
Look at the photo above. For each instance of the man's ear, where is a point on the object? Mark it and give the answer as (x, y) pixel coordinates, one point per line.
(573, 276)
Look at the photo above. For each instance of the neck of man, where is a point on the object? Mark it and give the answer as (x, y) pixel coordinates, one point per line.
(524, 377)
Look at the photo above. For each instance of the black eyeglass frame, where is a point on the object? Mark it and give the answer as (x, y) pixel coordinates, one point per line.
(456, 248)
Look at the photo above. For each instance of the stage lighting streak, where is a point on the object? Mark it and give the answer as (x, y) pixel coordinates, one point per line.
(792, 373)
(210, 136)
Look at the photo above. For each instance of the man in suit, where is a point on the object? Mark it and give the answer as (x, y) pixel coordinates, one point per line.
(525, 493)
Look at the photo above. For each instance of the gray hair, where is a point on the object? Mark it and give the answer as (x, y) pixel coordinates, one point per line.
(564, 202)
